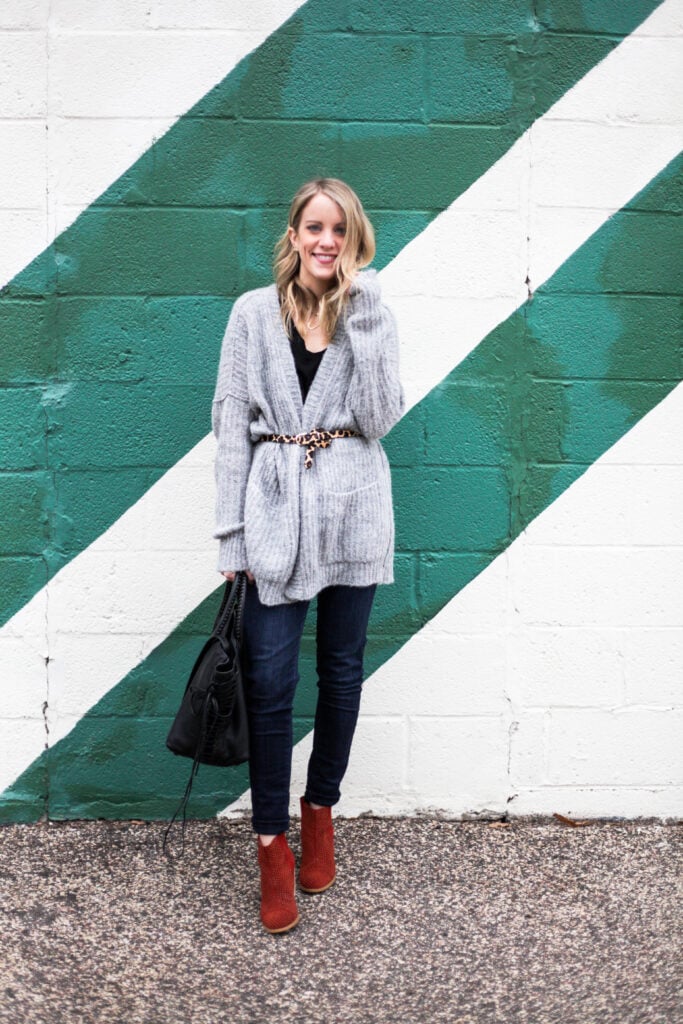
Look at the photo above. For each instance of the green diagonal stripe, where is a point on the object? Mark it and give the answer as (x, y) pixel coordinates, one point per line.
(110, 338)
(538, 401)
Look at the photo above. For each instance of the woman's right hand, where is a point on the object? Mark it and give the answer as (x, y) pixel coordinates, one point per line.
(231, 575)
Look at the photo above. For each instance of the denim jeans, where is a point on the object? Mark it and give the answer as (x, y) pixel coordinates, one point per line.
(271, 643)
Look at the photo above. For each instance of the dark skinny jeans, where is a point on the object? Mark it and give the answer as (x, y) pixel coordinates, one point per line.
(272, 639)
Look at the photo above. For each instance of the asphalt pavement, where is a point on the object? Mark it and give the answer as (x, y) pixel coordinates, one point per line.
(430, 920)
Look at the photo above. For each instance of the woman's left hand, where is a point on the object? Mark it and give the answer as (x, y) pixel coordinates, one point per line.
(366, 282)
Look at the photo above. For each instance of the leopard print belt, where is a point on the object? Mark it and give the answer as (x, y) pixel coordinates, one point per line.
(316, 438)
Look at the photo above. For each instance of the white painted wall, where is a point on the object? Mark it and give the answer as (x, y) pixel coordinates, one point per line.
(553, 682)
(87, 86)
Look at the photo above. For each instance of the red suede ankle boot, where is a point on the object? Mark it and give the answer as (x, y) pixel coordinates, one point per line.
(318, 870)
(278, 905)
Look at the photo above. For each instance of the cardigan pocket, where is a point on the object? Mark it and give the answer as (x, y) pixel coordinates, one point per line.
(356, 525)
(268, 534)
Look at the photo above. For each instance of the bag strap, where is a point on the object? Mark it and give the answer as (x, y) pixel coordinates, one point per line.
(241, 598)
(230, 593)
(234, 595)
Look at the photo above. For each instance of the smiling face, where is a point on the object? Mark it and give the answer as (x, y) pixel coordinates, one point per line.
(319, 240)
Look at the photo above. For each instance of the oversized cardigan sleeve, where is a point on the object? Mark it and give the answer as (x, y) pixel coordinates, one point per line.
(230, 420)
(375, 397)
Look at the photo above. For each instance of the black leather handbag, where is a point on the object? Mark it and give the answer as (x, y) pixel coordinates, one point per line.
(211, 724)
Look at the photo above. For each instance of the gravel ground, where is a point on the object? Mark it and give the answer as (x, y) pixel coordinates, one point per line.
(429, 921)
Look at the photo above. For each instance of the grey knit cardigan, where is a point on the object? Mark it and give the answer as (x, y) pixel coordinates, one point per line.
(299, 530)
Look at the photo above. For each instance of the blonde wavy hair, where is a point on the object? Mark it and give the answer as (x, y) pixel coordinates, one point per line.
(296, 300)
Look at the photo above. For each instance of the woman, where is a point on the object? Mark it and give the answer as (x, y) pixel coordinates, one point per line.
(307, 384)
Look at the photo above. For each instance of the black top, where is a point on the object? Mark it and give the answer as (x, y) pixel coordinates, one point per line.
(306, 362)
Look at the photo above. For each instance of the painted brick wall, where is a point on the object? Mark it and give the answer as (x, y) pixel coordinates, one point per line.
(521, 163)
